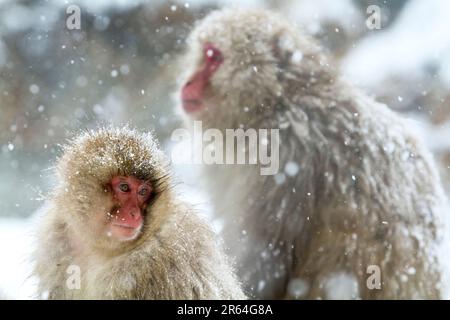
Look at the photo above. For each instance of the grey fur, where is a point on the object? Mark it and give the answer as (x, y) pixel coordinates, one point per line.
(367, 191)
(177, 256)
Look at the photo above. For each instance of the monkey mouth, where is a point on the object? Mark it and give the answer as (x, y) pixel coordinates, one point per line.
(192, 105)
(123, 226)
(125, 232)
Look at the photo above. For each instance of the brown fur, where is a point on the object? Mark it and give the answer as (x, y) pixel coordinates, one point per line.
(175, 257)
(366, 193)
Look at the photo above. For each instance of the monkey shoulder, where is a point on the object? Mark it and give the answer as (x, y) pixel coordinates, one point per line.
(181, 260)
(186, 231)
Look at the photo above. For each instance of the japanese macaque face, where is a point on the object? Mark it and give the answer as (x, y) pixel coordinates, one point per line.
(109, 188)
(193, 92)
(130, 197)
(236, 64)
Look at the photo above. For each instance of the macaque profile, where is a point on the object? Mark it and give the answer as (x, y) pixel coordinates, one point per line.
(356, 210)
(116, 224)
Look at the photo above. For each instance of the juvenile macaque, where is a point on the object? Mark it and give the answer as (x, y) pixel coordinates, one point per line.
(116, 230)
(356, 210)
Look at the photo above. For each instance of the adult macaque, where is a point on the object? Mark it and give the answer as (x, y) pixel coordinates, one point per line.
(116, 230)
(357, 210)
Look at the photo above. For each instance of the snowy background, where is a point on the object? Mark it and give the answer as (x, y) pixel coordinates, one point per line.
(121, 67)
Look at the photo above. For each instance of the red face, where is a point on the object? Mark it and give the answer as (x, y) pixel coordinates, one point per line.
(130, 196)
(192, 93)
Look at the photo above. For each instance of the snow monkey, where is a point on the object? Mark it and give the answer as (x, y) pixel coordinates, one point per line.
(114, 228)
(356, 209)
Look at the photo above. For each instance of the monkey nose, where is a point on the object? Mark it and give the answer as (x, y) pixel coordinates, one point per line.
(136, 214)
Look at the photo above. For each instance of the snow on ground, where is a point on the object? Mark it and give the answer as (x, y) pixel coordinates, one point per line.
(420, 36)
(310, 14)
(16, 246)
(102, 5)
(435, 137)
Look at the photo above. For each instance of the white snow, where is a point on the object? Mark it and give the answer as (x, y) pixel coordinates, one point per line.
(124, 69)
(227, 3)
(420, 36)
(298, 288)
(280, 178)
(341, 286)
(291, 168)
(310, 14)
(103, 5)
(16, 246)
(34, 89)
(297, 56)
(435, 137)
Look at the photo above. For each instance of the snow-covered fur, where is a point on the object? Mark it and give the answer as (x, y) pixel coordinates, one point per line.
(175, 257)
(356, 187)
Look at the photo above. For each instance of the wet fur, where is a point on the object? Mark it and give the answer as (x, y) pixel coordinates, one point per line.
(367, 191)
(177, 256)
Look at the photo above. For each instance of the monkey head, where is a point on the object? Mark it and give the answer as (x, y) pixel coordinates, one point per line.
(109, 182)
(238, 63)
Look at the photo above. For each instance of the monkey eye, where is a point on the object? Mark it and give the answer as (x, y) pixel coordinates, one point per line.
(212, 53)
(124, 187)
(144, 192)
